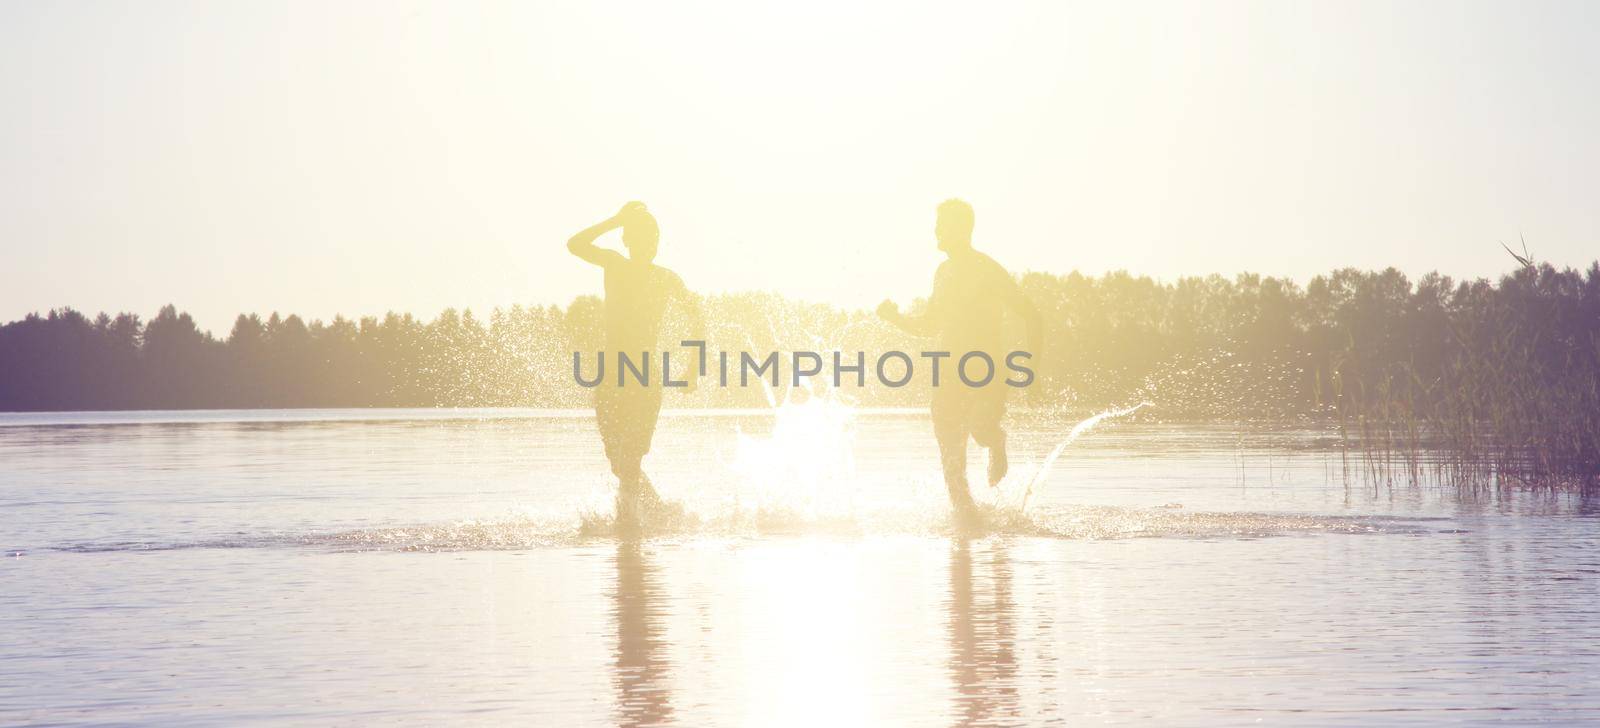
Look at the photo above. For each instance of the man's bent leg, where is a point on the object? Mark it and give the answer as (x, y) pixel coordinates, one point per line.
(609, 424)
(647, 413)
(951, 432)
(986, 413)
(622, 420)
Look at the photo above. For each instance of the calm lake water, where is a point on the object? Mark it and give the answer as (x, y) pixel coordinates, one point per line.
(359, 567)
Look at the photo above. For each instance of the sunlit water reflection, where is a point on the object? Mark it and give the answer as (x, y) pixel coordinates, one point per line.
(336, 567)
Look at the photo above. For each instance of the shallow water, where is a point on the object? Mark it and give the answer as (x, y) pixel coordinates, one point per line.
(351, 567)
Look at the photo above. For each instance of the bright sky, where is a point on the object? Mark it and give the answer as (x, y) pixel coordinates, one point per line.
(356, 157)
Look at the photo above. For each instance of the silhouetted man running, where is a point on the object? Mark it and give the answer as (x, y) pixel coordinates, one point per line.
(637, 293)
(970, 293)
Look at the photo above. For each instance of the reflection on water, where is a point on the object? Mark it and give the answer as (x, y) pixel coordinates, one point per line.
(419, 570)
(644, 693)
(983, 663)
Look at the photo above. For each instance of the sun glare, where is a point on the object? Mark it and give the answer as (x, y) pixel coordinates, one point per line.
(805, 464)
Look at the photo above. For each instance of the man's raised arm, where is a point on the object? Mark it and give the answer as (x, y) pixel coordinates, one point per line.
(582, 244)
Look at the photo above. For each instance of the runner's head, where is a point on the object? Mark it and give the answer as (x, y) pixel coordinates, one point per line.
(954, 227)
(640, 234)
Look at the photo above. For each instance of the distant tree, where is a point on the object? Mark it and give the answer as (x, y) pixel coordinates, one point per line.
(180, 362)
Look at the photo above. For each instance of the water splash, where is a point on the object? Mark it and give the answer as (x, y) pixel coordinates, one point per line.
(1072, 435)
(807, 462)
(766, 388)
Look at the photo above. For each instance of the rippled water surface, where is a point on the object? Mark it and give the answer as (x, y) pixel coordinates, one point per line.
(357, 567)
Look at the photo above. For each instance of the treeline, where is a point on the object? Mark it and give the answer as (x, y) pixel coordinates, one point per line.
(1519, 357)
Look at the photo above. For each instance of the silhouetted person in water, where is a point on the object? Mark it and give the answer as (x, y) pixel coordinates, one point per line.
(637, 293)
(970, 293)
